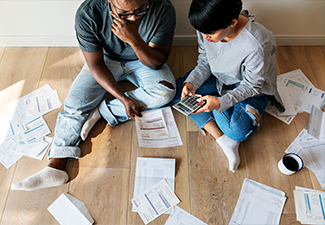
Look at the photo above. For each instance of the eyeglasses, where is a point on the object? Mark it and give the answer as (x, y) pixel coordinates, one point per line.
(138, 12)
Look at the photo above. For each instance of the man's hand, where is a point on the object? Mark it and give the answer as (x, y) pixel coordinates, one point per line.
(211, 104)
(132, 108)
(187, 89)
(125, 30)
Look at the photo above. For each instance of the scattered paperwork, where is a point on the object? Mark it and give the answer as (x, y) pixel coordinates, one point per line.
(68, 210)
(316, 125)
(155, 201)
(309, 205)
(150, 171)
(24, 131)
(157, 129)
(258, 204)
(33, 105)
(181, 217)
(311, 150)
(302, 96)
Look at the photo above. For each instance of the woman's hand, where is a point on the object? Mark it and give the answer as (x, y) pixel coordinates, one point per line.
(211, 103)
(187, 89)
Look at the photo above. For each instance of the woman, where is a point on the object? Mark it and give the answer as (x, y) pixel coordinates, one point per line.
(235, 75)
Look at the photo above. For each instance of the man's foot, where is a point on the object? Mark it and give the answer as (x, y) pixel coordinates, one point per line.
(48, 177)
(93, 117)
(230, 148)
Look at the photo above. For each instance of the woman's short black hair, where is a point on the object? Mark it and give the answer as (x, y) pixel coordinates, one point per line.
(207, 16)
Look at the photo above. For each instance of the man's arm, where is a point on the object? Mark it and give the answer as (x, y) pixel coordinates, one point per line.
(104, 77)
(151, 55)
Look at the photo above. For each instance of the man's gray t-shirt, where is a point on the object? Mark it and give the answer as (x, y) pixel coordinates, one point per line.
(93, 26)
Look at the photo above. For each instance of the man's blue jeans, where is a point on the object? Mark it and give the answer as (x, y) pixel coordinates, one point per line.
(86, 94)
(237, 122)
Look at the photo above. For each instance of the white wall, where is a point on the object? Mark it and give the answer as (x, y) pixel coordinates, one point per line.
(50, 22)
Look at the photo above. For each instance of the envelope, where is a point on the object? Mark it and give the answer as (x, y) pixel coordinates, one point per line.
(68, 210)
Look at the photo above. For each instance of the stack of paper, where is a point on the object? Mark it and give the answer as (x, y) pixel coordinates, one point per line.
(298, 94)
(24, 131)
(150, 171)
(258, 204)
(310, 206)
(157, 129)
(316, 126)
(311, 150)
(155, 201)
(154, 192)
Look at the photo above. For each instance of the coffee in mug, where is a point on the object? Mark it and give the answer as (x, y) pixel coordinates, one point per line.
(290, 163)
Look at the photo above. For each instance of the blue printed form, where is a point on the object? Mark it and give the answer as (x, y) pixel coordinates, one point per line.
(310, 205)
(155, 201)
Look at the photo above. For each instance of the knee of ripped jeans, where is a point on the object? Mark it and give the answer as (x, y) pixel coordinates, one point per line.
(167, 84)
(254, 114)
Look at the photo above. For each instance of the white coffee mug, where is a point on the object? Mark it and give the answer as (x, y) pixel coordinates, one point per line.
(290, 163)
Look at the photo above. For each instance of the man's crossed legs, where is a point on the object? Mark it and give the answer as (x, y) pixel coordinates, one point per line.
(83, 107)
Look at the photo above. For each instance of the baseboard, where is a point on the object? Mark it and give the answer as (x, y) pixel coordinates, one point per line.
(300, 40)
(179, 40)
(38, 41)
(281, 40)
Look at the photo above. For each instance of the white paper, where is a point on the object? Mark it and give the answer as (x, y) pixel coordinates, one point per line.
(155, 201)
(6, 128)
(150, 171)
(289, 108)
(7, 156)
(312, 152)
(35, 129)
(32, 105)
(68, 210)
(174, 138)
(305, 96)
(152, 125)
(39, 151)
(310, 206)
(181, 217)
(296, 75)
(316, 125)
(258, 204)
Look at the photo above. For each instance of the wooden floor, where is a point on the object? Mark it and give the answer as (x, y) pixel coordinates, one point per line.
(104, 177)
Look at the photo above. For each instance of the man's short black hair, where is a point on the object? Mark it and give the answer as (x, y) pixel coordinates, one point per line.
(207, 16)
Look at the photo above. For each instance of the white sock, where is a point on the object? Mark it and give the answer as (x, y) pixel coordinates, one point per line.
(48, 177)
(230, 148)
(93, 117)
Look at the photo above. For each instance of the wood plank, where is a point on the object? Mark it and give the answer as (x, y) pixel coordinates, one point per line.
(175, 60)
(23, 67)
(190, 61)
(26, 207)
(181, 177)
(289, 219)
(104, 192)
(60, 68)
(106, 147)
(20, 70)
(2, 50)
(214, 189)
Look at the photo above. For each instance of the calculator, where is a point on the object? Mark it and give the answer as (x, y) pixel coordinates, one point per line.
(188, 105)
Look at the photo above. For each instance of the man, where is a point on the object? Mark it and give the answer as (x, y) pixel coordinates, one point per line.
(120, 40)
